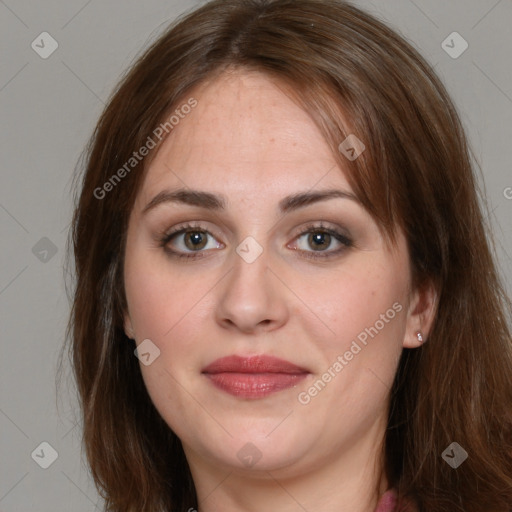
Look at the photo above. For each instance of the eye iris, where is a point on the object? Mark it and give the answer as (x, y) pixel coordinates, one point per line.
(320, 240)
(198, 240)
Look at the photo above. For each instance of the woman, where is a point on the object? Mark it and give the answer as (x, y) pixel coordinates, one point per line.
(285, 296)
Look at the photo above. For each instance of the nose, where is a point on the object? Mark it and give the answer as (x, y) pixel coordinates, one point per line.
(252, 298)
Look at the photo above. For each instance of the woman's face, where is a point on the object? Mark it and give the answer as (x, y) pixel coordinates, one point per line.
(263, 274)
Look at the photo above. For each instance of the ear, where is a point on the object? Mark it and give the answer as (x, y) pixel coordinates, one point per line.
(420, 315)
(128, 327)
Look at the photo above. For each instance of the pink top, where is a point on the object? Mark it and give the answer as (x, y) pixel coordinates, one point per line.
(387, 503)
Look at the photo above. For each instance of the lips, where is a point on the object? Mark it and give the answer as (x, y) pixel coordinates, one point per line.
(253, 377)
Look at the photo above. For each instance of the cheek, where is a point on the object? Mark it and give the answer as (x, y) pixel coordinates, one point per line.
(364, 307)
(158, 297)
(368, 293)
(165, 308)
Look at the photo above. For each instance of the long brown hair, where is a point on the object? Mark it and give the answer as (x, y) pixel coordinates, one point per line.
(353, 75)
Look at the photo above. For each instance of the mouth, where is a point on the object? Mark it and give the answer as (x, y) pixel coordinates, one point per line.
(253, 377)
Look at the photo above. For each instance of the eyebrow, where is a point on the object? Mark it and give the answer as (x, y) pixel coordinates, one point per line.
(214, 202)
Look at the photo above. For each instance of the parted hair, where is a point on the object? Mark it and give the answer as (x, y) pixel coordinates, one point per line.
(353, 75)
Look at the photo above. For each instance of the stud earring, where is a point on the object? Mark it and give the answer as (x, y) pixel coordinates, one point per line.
(419, 336)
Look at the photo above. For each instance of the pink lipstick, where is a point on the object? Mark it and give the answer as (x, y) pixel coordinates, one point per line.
(253, 377)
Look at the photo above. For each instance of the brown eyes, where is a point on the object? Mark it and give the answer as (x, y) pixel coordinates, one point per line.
(191, 241)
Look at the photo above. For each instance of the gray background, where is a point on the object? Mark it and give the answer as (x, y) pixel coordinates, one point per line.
(48, 110)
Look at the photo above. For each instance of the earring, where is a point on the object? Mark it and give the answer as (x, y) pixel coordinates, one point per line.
(419, 336)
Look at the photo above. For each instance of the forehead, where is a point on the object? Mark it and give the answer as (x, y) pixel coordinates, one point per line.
(246, 135)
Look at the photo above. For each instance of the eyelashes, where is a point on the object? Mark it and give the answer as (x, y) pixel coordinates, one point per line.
(185, 229)
(195, 242)
(320, 233)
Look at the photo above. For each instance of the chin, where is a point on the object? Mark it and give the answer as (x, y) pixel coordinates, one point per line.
(255, 446)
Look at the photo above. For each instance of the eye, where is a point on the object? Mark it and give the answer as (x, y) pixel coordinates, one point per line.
(192, 241)
(320, 238)
(188, 239)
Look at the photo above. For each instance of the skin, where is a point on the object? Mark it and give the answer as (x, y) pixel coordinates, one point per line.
(248, 141)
